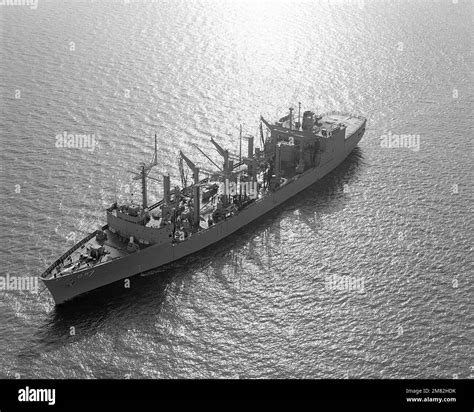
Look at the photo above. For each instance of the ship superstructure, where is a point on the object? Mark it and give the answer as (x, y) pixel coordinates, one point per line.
(295, 153)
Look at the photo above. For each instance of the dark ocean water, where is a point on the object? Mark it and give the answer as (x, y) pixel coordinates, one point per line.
(256, 305)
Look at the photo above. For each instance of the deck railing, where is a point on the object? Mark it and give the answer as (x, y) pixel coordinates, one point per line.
(70, 251)
(340, 113)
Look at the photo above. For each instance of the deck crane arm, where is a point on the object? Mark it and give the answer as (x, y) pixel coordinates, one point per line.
(188, 161)
(196, 190)
(266, 123)
(192, 166)
(208, 158)
(224, 153)
(221, 151)
(181, 172)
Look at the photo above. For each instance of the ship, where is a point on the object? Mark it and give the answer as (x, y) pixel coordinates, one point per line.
(290, 155)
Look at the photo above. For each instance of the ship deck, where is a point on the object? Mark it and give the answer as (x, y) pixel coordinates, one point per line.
(77, 258)
(352, 122)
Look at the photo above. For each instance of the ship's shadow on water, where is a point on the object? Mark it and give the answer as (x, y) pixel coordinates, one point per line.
(116, 304)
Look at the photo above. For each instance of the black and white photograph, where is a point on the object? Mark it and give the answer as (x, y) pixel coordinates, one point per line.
(236, 192)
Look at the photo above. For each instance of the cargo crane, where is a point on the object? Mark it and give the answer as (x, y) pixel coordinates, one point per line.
(143, 175)
(196, 188)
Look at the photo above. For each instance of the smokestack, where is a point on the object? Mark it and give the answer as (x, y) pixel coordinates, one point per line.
(291, 118)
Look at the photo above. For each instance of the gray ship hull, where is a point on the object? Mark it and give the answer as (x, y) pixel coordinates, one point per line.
(77, 283)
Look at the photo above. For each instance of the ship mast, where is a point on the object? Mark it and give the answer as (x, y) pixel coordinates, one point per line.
(228, 165)
(144, 196)
(143, 175)
(196, 191)
(240, 145)
(299, 115)
(261, 135)
(155, 157)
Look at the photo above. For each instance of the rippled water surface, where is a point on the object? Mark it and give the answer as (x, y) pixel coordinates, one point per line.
(400, 220)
